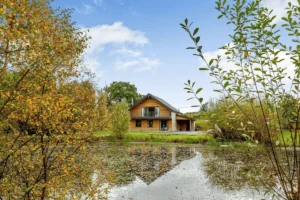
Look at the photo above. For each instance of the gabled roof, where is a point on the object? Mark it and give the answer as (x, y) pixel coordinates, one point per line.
(163, 102)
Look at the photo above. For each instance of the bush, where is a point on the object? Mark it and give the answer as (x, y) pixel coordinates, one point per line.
(233, 123)
(120, 119)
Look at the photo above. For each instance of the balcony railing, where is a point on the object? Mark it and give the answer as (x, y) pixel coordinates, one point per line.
(150, 114)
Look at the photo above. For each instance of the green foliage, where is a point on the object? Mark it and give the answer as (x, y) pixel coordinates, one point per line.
(120, 119)
(118, 91)
(261, 101)
(287, 111)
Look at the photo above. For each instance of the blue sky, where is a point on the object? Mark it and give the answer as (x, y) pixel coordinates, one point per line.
(141, 42)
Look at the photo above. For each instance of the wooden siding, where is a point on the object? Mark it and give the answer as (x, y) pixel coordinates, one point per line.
(145, 125)
(169, 125)
(137, 110)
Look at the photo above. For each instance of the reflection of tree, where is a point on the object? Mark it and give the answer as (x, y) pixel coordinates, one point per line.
(236, 169)
(151, 163)
(116, 161)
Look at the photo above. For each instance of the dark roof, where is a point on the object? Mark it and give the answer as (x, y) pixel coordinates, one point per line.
(183, 116)
(163, 102)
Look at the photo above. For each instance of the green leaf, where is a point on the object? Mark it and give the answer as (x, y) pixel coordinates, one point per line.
(203, 69)
(189, 82)
(211, 62)
(191, 48)
(218, 91)
(226, 84)
(200, 100)
(197, 39)
(199, 90)
(257, 69)
(220, 16)
(186, 22)
(196, 31)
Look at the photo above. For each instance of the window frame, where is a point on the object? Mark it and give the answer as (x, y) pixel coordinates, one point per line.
(136, 123)
(152, 124)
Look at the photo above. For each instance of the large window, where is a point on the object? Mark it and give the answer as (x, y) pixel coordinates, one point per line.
(150, 111)
(150, 123)
(138, 123)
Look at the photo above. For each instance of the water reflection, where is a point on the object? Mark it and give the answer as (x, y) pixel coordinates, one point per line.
(179, 172)
(151, 163)
(237, 169)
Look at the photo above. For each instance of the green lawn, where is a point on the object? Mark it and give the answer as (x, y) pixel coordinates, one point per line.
(140, 136)
(159, 137)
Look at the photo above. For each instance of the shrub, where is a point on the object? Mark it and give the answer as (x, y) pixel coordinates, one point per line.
(120, 119)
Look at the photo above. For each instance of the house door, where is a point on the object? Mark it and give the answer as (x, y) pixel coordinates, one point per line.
(188, 128)
(163, 125)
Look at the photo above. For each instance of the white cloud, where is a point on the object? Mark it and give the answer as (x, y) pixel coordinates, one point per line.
(86, 9)
(123, 65)
(117, 34)
(92, 63)
(278, 6)
(138, 65)
(127, 52)
(148, 64)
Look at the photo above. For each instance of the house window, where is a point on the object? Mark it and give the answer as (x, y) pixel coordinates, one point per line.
(164, 125)
(150, 123)
(138, 123)
(150, 111)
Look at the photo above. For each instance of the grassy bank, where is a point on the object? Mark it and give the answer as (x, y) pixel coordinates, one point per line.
(158, 137)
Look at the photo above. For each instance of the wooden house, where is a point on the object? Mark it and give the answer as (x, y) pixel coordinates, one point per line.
(154, 114)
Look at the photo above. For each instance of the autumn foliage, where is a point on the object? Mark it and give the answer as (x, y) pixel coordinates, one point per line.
(47, 109)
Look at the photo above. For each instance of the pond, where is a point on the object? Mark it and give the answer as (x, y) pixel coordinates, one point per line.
(164, 171)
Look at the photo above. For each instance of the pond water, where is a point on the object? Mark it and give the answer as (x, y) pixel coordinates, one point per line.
(143, 171)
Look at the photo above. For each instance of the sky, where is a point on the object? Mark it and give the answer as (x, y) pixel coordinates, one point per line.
(141, 42)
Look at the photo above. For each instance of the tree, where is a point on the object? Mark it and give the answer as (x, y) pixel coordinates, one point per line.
(118, 91)
(120, 119)
(103, 116)
(256, 78)
(45, 116)
(204, 107)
